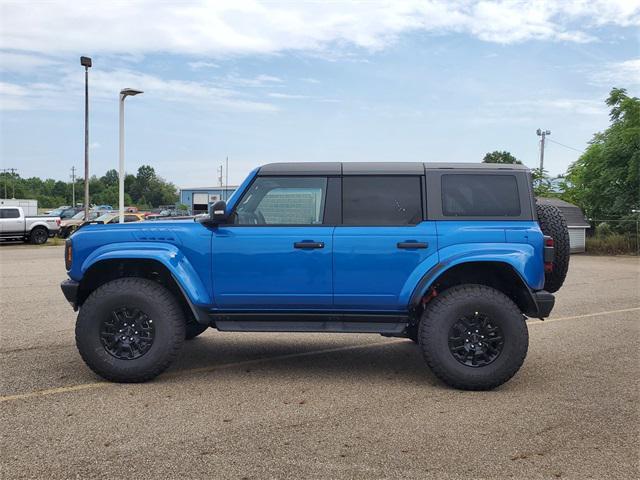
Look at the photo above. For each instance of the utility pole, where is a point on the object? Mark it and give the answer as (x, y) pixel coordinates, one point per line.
(220, 175)
(86, 63)
(542, 133)
(73, 186)
(226, 180)
(13, 182)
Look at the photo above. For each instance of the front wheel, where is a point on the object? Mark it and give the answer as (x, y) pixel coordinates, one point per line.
(473, 337)
(130, 330)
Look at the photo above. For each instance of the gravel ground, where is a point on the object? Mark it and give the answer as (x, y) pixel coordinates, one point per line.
(241, 405)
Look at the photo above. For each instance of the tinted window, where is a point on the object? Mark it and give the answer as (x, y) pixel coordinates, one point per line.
(469, 195)
(283, 201)
(9, 213)
(381, 200)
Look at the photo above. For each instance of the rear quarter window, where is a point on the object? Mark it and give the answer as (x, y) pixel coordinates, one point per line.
(472, 195)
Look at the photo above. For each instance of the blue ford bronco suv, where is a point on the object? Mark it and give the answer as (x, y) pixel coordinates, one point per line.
(452, 256)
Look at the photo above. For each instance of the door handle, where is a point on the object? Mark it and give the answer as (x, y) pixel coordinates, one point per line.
(411, 245)
(308, 245)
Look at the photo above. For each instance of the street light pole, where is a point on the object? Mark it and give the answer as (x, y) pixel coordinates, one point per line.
(123, 95)
(86, 63)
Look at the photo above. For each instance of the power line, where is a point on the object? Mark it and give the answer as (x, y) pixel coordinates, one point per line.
(565, 146)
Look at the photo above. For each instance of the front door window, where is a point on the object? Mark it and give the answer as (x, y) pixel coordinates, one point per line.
(283, 201)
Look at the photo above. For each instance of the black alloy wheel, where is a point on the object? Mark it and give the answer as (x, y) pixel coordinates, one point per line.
(127, 334)
(474, 341)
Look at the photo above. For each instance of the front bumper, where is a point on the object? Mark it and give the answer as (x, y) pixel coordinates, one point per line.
(70, 290)
(544, 303)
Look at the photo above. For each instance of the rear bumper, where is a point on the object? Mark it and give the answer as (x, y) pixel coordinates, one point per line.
(70, 291)
(544, 302)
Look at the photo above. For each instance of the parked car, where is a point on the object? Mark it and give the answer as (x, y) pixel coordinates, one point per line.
(167, 213)
(64, 213)
(68, 226)
(103, 208)
(35, 229)
(452, 256)
(114, 217)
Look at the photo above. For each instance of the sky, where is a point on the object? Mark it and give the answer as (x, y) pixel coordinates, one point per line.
(265, 82)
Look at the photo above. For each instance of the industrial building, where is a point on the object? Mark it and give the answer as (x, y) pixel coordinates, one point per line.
(198, 199)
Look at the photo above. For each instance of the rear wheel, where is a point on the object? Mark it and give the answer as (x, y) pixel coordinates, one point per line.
(473, 337)
(130, 330)
(39, 235)
(553, 224)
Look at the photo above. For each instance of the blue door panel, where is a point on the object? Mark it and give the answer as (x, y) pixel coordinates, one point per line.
(258, 267)
(370, 271)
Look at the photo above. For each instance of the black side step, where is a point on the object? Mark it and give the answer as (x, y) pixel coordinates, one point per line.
(309, 322)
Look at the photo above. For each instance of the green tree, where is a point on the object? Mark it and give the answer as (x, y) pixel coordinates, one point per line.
(500, 157)
(605, 180)
(110, 178)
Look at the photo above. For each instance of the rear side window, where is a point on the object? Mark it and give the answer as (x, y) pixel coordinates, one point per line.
(381, 200)
(9, 213)
(470, 195)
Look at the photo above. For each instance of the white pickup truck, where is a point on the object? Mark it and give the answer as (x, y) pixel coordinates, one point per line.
(14, 224)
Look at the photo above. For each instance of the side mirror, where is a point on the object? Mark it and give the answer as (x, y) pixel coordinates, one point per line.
(219, 212)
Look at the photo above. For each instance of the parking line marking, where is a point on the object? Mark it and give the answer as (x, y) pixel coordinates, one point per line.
(586, 315)
(52, 391)
(87, 386)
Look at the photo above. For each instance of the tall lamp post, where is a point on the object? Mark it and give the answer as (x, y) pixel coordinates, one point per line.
(86, 63)
(123, 94)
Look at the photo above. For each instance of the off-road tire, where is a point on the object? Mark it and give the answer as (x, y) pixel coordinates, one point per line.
(39, 235)
(157, 303)
(553, 223)
(193, 329)
(446, 309)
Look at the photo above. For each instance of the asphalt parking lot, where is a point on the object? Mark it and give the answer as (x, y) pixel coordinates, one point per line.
(321, 405)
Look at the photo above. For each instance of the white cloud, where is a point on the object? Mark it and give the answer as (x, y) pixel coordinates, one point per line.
(287, 96)
(201, 65)
(24, 63)
(105, 85)
(232, 27)
(620, 74)
(543, 106)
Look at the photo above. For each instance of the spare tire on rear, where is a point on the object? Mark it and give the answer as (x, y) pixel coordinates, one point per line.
(553, 224)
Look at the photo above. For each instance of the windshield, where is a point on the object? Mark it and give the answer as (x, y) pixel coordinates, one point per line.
(55, 213)
(78, 216)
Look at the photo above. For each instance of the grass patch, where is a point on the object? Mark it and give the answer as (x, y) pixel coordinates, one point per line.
(613, 244)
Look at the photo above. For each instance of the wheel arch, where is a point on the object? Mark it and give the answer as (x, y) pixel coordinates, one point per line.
(105, 270)
(500, 275)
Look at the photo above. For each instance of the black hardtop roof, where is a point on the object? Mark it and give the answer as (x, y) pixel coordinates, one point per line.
(376, 168)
